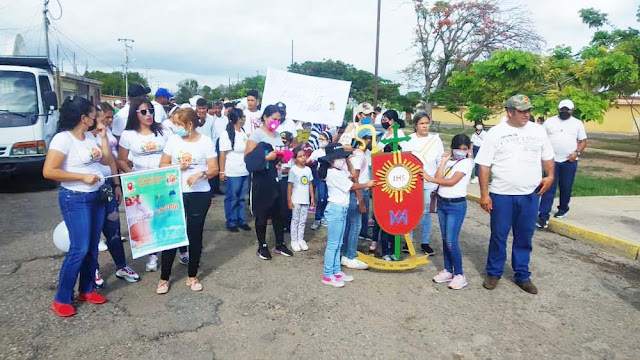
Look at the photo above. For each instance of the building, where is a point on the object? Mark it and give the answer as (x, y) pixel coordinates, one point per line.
(70, 85)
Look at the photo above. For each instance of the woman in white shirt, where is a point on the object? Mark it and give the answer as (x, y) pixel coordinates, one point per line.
(198, 162)
(233, 171)
(428, 148)
(74, 159)
(389, 118)
(476, 141)
(142, 142)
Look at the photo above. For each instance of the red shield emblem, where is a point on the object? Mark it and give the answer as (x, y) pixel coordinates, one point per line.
(398, 195)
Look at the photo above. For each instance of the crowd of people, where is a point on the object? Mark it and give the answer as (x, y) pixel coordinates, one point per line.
(255, 153)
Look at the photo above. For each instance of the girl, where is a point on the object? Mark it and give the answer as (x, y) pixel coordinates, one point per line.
(195, 153)
(453, 176)
(430, 150)
(476, 141)
(142, 141)
(73, 159)
(339, 187)
(299, 197)
(389, 118)
(323, 140)
(234, 172)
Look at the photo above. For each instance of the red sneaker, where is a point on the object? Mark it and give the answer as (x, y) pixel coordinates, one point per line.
(63, 310)
(94, 298)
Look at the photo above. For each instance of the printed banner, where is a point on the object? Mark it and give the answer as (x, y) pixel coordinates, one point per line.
(155, 211)
(308, 98)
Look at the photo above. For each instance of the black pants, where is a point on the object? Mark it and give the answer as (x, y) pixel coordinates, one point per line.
(284, 202)
(269, 209)
(196, 206)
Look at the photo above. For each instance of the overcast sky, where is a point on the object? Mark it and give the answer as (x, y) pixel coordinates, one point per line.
(218, 41)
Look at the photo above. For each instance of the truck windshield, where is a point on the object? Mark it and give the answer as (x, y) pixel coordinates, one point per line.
(18, 98)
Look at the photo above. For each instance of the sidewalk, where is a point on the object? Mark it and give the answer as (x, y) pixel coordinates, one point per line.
(624, 154)
(610, 222)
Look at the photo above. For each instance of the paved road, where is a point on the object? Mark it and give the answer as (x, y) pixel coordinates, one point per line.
(588, 306)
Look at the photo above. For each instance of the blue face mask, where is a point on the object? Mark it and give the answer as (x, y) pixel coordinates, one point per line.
(460, 154)
(180, 131)
(366, 121)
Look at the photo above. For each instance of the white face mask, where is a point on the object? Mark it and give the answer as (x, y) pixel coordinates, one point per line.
(478, 127)
(323, 144)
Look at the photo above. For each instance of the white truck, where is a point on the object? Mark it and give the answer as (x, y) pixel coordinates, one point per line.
(28, 114)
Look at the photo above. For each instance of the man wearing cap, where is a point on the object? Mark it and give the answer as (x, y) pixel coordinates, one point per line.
(162, 98)
(287, 124)
(120, 119)
(512, 153)
(568, 140)
(363, 117)
(118, 105)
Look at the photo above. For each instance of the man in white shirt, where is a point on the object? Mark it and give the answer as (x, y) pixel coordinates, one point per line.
(253, 116)
(120, 119)
(287, 124)
(364, 112)
(162, 98)
(568, 139)
(512, 153)
(208, 130)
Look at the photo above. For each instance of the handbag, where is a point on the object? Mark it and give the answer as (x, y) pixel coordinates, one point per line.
(434, 194)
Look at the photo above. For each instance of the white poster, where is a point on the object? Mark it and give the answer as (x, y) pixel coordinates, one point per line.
(308, 98)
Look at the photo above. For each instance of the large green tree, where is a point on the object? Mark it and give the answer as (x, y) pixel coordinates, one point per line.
(113, 83)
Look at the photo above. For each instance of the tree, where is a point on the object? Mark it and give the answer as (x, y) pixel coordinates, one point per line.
(187, 89)
(451, 35)
(113, 83)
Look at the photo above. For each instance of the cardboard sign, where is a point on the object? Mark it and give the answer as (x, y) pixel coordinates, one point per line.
(308, 98)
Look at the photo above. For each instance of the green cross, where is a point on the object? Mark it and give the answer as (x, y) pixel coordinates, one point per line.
(395, 140)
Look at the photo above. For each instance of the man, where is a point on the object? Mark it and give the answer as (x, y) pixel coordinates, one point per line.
(568, 139)
(201, 109)
(512, 153)
(363, 111)
(219, 126)
(376, 112)
(120, 119)
(287, 124)
(162, 98)
(253, 116)
(118, 104)
(228, 106)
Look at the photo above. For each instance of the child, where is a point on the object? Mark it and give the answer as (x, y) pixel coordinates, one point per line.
(332, 169)
(453, 176)
(321, 203)
(299, 197)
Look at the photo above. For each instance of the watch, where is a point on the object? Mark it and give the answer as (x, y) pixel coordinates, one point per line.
(204, 174)
(579, 153)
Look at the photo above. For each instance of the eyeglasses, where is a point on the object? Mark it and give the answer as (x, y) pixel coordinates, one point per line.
(145, 112)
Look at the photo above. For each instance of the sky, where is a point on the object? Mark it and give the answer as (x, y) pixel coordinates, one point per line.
(217, 42)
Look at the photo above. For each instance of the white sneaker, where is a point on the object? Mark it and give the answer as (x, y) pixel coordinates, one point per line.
(152, 263)
(356, 264)
(295, 246)
(458, 282)
(303, 245)
(344, 277)
(343, 260)
(102, 246)
(324, 222)
(474, 180)
(332, 281)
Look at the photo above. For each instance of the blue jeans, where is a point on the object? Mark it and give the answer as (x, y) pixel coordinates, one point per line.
(364, 228)
(83, 214)
(517, 213)
(111, 231)
(451, 216)
(475, 152)
(336, 216)
(321, 200)
(234, 200)
(352, 230)
(425, 223)
(564, 175)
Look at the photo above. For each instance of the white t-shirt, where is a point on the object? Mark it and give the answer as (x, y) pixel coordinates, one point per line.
(317, 154)
(386, 135)
(478, 139)
(359, 162)
(253, 121)
(207, 129)
(458, 190)
(159, 115)
(301, 179)
(193, 153)
(338, 186)
(82, 157)
(219, 126)
(120, 120)
(429, 150)
(564, 136)
(260, 135)
(515, 155)
(168, 126)
(290, 126)
(106, 169)
(234, 165)
(145, 151)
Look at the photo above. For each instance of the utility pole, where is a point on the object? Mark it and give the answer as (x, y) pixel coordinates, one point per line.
(292, 52)
(75, 66)
(46, 26)
(128, 45)
(375, 86)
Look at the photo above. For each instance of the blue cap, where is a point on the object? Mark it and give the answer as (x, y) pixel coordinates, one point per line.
(163, 92)
(364, 133)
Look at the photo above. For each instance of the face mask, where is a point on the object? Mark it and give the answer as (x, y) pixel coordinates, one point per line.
(323, 144)
(180, 131)
(478, 127)
(365, 121)
(369, 146)
(563, 115)
(460, 154)
(273, 125)
(386, 125)
(340, 164)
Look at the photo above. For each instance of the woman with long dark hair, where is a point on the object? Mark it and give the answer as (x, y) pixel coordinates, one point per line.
(233, 171)
(73, 159)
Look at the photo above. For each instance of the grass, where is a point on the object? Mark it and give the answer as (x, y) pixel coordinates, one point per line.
(586, 185)
(601, 169)
(628, 144)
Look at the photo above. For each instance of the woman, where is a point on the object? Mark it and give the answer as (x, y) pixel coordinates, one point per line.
(428, 147)
(389, 118)
(234, 172)
(142, 142)
(264, 186)
(111, 227)
(73, 159)
(198, 162)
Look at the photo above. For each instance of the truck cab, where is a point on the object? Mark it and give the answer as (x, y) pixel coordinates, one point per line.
(28, 113)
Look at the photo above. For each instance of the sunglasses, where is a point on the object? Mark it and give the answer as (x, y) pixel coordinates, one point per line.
(145, 112)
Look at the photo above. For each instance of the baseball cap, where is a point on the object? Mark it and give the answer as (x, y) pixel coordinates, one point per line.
(163, 92)
(117, 102)
(282, 108)
(364, 133)
(364, 108)
(136, 90)
(566, 103)
(519, 102)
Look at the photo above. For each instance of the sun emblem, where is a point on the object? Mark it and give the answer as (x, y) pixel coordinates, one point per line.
(398, 177)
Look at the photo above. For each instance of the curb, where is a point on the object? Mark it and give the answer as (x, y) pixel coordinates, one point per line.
(608, 242)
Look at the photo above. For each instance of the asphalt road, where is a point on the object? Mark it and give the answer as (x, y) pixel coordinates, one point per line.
(588, 306)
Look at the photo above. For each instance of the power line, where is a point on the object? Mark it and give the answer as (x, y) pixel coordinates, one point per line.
(83, 49)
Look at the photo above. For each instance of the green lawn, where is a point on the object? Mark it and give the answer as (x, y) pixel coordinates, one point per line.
(586, 185)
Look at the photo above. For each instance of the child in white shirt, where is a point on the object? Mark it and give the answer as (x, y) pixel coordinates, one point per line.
(299, 197)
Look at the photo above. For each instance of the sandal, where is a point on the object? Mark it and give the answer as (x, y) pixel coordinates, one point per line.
(163, 287)
(194, 284)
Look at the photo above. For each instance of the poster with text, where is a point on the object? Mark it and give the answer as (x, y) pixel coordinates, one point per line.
(308, 98)
(154, 210)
